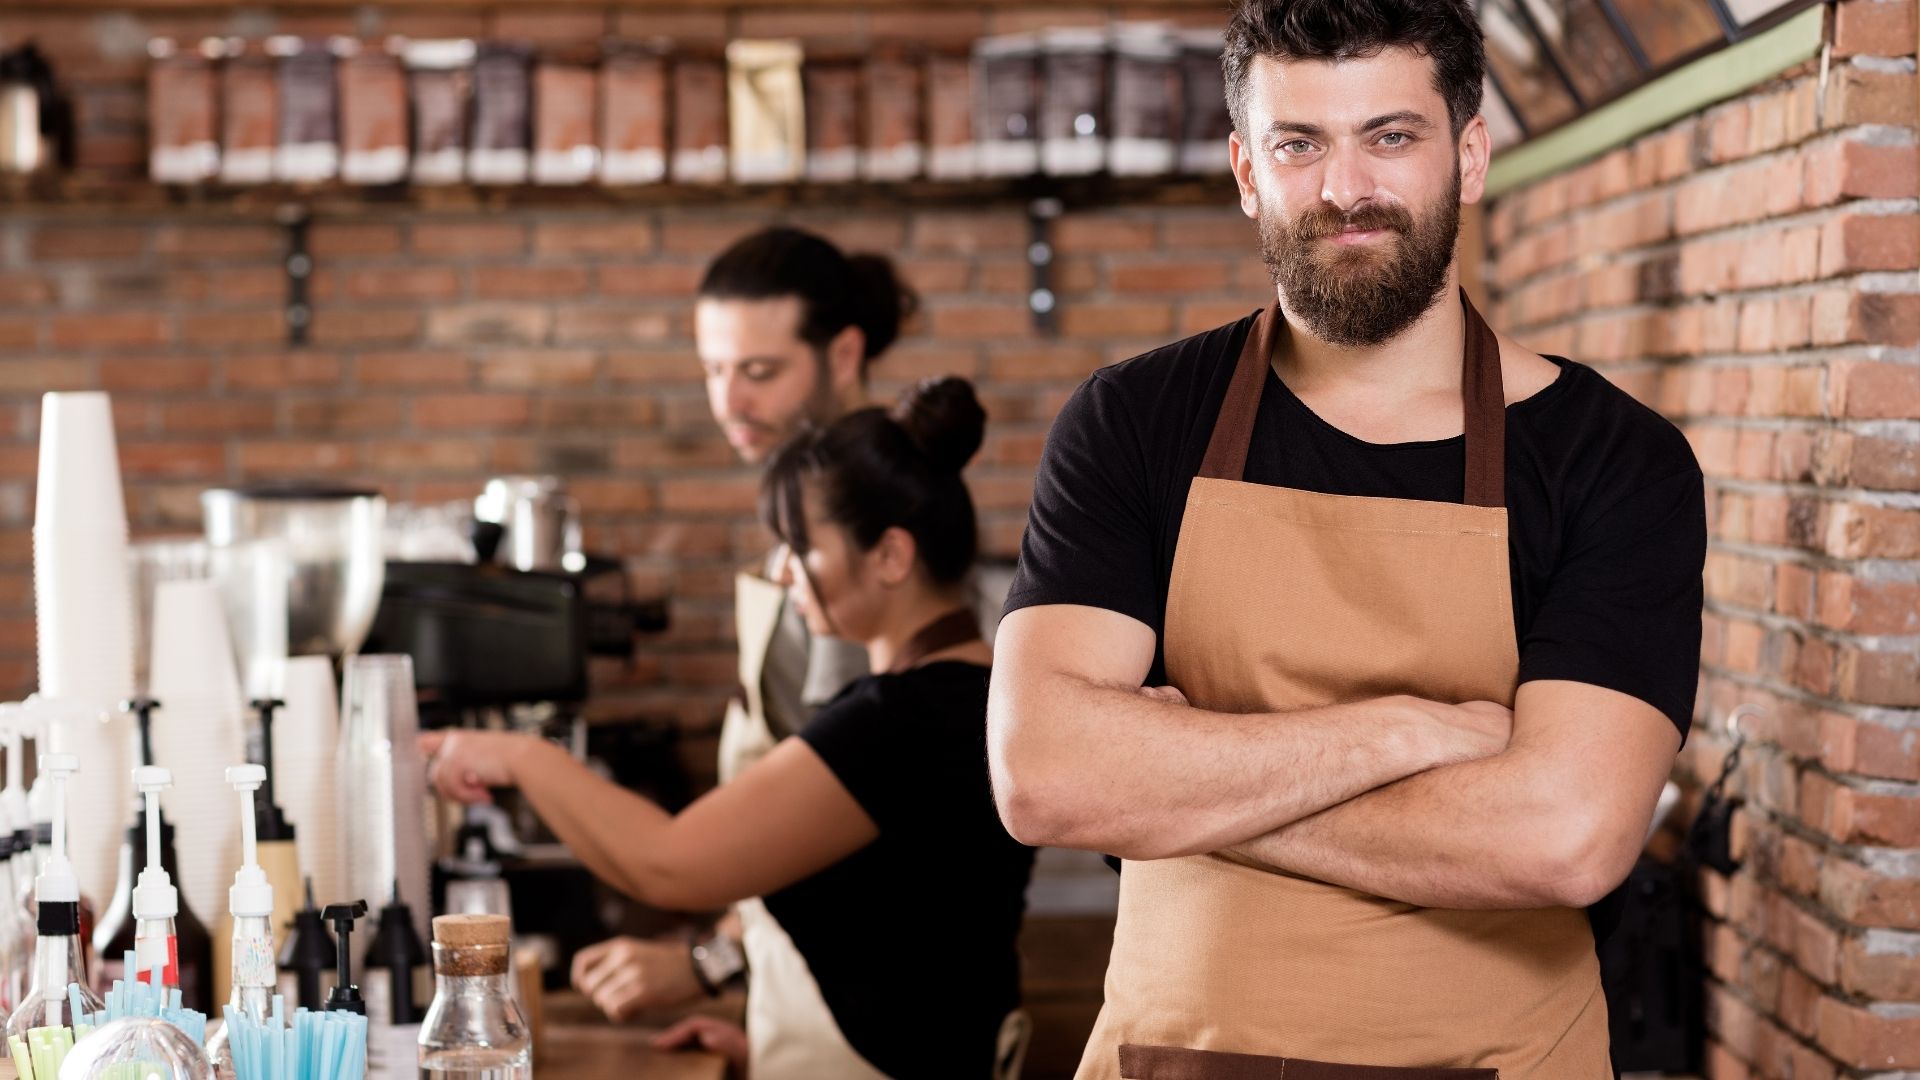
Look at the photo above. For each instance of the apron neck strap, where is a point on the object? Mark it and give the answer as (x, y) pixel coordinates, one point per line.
(956, 627)
(1481, 390)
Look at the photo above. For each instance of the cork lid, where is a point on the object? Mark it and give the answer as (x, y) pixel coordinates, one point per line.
(460, 931)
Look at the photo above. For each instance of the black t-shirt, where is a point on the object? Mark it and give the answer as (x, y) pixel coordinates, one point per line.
(912, 938)
(1606, 510)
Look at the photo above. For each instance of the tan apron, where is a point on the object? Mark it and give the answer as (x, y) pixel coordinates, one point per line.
(1284, 599)
(791, 1033)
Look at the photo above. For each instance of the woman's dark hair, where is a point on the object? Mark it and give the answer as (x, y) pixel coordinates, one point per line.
(876, 469)
(1444, 30)
(835, 290)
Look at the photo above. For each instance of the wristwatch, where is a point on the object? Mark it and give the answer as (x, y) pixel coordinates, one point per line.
(716, 961)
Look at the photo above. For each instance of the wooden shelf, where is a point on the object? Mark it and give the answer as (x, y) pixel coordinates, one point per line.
(1073, 193)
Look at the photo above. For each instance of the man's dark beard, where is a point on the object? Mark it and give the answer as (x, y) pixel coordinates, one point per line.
(1368, 294)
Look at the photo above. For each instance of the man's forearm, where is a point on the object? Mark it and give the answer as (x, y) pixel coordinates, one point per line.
(1556, 819)
(1108, 769)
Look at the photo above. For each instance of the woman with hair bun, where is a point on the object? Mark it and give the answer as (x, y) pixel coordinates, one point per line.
(881, 896)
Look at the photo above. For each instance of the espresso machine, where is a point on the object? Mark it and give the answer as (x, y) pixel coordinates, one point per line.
(504, 642)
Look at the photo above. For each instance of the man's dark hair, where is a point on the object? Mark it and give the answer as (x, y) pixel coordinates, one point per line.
(1444, 30)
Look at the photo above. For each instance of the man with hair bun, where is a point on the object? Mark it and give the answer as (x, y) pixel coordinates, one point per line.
(786, 326)
(1363, 633)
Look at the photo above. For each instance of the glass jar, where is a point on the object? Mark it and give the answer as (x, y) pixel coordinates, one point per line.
(473, 1030)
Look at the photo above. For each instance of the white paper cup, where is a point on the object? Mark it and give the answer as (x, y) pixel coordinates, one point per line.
(79, 468)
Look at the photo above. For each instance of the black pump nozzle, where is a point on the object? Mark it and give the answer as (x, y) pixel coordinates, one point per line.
(308, 952)
(345, 996)
(397, 948)
(142, 710)
(270, 822)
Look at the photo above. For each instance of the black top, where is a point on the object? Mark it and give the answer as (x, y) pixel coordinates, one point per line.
(1606, 509)
(912, 938)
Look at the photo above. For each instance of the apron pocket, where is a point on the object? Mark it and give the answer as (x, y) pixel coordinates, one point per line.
(1181, 1063)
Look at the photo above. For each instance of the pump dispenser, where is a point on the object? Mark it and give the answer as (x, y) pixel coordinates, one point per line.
(59, 982)
(117, 932)
(156, 903)
(278, 858)
(250, 907)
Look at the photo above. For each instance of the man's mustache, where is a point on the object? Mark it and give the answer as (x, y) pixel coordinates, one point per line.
(1318, 223)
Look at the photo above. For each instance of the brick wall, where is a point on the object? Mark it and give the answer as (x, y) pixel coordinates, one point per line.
(1750, 272)
(450, 347)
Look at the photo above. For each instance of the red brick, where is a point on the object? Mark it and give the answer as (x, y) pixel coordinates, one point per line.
(710, 496)
(279, 371)
(1117, 320)
(19, 334)
(1857, 243)
(671, 451)
(88, 242)
(531, 367)
(217, 417)
(332, 327)
(509, 324)
(1859, 96)
(330, 240)
(1855, 531)
(1864, 1039)
(242, 287)
(401, 283)
(294, 457)
(1868, 607)
(218, 241)
(651, 279)
(1874, 391)
(426, 455)
(623, 412)
(1852, 169)
(110, 330)
(1878, 677)
(528, 282)
(1873, 27)
(624, 236)
(411, 369)
(1881, 966)
(653, 367)
(146, 459)
(1103, 232)
(981, 321)
(468, 238)
(25, 290)
(357, 414)
(472, 411)
(603, 495)
(702, 237)
(968, 232)
(1182, 278)
(233, 328)
(1061, 362)
(621, 325)
(1866, 897)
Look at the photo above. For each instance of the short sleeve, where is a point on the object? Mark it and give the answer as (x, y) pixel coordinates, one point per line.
(1090, 531)
(1622, 610)
(851, 734)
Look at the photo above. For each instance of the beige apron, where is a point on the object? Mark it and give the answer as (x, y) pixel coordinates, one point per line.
(1284, 599)
(791, 1033)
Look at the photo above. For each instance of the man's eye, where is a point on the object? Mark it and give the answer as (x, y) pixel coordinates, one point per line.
(1296, 146)
(1399, 137)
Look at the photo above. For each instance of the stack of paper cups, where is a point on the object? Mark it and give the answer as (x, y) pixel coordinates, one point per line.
(197, 732)
(304, 737)
(83, 598)
(382, 783)
(84, 622)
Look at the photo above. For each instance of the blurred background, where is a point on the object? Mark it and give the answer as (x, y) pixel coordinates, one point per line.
(1713, 203)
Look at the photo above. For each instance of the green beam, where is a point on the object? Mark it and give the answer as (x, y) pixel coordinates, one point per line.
(1675, 94)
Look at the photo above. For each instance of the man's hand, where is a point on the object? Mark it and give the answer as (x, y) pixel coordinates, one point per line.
(624, 975)
(711, 1034)
(1469, 731)
(463, 765)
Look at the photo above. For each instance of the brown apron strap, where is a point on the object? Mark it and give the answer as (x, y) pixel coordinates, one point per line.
(1481, 391)
(956, 627)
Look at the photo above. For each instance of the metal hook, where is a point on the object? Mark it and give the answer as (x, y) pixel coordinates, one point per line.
(1733, 721)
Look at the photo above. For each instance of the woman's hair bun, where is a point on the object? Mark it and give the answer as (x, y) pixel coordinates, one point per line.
(944, 419)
